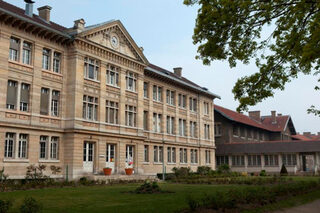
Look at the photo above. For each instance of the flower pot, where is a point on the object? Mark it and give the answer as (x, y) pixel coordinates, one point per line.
(107, 171)
(129, 171)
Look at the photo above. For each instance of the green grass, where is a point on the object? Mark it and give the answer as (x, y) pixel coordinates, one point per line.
(97, 199)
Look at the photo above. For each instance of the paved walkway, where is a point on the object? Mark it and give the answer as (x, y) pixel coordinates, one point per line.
(313, 207)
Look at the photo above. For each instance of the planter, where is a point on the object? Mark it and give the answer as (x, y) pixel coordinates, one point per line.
(129, 171)
(107, 171)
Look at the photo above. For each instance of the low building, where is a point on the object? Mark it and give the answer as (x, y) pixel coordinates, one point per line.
(253, 143)
(86, 97)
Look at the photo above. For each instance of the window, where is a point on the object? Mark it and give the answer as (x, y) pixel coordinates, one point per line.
(170, 97)
(23, 144)
(145, 120)
(55, 98)
(182, 127)
(193, 129)
(183, 155)
(221, 160)
(256, 135)
(193, 104)
(46, 59)
(254, 160)
(261, 136)
(208, 156)
(91, 68)
(26, 53)
(157, 93)
(131, 115)
(194, 155)
(146, 153)
(90, 108)
(182, 101)
(238, 160)
(54, 147)
(131, 79)
(43, 147)
(112, 112)
(9, 145)
(207, 131)
(170, 125)
(243, 132)
(14, 49)
(158, 154)
(171, 154)
(24, 97)
(112, 76)
(12, 94)
(250, 134)
(217, 129)
(271, 160)
(44, 102)
(145, 90)
(235, 130)
(289, 159)
(206, 108)
(57, 62)
(156, 122)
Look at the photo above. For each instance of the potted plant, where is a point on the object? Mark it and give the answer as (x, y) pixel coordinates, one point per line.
(129, 169)
(107, 171)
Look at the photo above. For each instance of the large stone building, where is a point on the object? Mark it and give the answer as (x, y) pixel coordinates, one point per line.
(253, 143)
(86, 97)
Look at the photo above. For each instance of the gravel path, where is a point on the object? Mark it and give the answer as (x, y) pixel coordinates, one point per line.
(313, 207)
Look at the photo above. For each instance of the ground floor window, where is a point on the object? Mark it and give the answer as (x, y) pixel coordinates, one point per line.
(254, 160)
(222, 160)
(208, 156)
(23, 144)
(289, 159)
(238, 160)
(171, 154)
(271, 160)
(157, 154)
(183, 155)
(194, 155)
(146, 153)
(9, 145)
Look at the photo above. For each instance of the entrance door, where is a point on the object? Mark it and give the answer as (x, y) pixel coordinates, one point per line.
(129, 156)
(111, 156)
(88, 155)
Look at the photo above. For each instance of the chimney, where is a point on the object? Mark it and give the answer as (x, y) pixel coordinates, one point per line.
(319, 133)
(79, 25)
(44, 12)
(307, 133)
(279, 114)
(178, 71)
(29, 9)
(273, 116)
(255, 115)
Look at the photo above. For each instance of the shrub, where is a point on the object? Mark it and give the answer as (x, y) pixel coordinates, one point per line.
(148, 188)
(30, 205)
(204, 170)
(5, 205)
(182, 171)
(283, 170)
(36, 172)
(224, 168)
(192, 203)
(263, 173)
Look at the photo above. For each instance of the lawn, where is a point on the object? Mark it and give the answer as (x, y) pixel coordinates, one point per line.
(95, 199)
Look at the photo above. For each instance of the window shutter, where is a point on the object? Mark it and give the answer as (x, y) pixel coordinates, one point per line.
(25, 94)
(12, 94)
(55, 95)
(44, 103)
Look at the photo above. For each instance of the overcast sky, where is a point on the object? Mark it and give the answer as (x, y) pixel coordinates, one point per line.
(164, 29)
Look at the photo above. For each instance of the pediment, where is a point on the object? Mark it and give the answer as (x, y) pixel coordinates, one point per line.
(113, 35)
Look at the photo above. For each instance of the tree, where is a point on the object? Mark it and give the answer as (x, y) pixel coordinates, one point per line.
(235, 31)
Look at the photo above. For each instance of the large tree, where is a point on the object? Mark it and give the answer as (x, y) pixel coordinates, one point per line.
(283, 36)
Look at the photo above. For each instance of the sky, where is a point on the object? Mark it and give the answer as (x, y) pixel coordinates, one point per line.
(164, 29)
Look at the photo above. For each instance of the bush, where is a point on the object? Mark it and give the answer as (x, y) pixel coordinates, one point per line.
(224, 168)
(263, 173)
(30, 205)
(181, 172)
(148, 188)
(5, 205)
(283, 171)
(204, 170)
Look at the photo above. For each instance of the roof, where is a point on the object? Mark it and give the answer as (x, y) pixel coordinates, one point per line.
(268, 147)
(238, 117)
(306, 137)
(279, 125)
(182, 80)
(6, 7)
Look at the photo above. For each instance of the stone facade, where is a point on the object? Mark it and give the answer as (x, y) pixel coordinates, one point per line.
(65, 121)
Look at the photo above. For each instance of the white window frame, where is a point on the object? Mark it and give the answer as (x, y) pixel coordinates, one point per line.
(112, 106)
(205, 108)
(146, 154)
(170, 96)
(146, 89)
(170, 125)
(157, 93)
(183, 155)
(14, 53)
(43, 153)
(206, 131)
(54, 148)
(193, 129)
(182, 101)
(112, 76)
(56, 62)
(55, 104)
(9, 146)
(131, 81)
(23, 146)
(193, 103)
(90, 108)
(157, 120)
(158, 154)
(131, 116)
(26, 53)
(46, 59)
(182, 127)
(91, 63)
(171, 154)
(194, 156)
(208, 156)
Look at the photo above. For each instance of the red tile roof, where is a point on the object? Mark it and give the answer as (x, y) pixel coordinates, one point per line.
(279, 125)
(310, 137)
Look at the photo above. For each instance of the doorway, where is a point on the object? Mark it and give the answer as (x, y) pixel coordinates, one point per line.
(88, 156)
(111, 156)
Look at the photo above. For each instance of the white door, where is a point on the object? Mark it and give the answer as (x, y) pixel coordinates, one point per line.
(129, 156)
(88, 156)
(111, 156)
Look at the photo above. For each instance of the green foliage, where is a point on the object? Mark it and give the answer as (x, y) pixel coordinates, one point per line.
(182, 171)
(263, 173)
(282, 36)
(148, 188)
(30, 205)
(224, 168)
(283, 170)
(204, 170)
(5, 205)
(36, 172)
